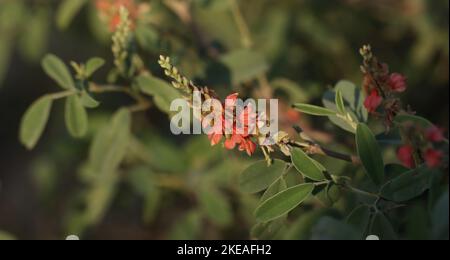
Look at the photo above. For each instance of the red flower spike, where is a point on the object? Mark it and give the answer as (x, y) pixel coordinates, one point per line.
(373, 101)
(405, 155)
(433, 158)
(397, 82)
(434, 134)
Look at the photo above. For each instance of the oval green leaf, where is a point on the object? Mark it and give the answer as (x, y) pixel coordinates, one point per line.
(76, 117)
(408, 185)
(67, 11)
(259, 176)
(370, 154)
(162, 92)
(93, 65)
(88, 101)
(283, 202)
(314, 110)
(58, 71)
(34, 122)
(306, 165)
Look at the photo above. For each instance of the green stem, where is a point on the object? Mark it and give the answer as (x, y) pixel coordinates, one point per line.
(62, 94)
(241, 24)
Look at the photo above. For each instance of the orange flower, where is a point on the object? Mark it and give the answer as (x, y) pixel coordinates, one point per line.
(242, 122)
(109, 11)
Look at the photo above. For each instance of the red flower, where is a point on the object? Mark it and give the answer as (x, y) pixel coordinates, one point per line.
(405, 155)
(433, 158)
(243, 139)
(434, 134)
(373, 101)
(397, 82)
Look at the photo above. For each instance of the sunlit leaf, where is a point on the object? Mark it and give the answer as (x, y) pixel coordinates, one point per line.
(34, 122)
(58, 71)
(314, 110)
(306, 166)
(283, 202)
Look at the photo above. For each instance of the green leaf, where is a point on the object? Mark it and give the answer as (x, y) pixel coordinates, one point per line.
(359, 218)
(382, 228)
(328, 194)
(107, 151)
(162, 92)
(439, 218)
(244, 65)
(267, 230)
(143, 182)
(276, 187)
(93, 64)
(34, 122)
(408, 185)
(34, 39)
(67, 11)
(215, 206)
(110, 144)
(88, 101)
(283, 202)
(58, 71)
(314, 110)
(293, 91)
(76, 117)
(370, 154)
(353, 103)
(147, 37)
(403, 118)
(259, 176)
(306, 166)
(340, 102)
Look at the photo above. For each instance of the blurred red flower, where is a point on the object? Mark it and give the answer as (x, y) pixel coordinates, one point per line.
(373, 101)
(405, 155)
(433, 158)
(434, 134)
(397, 82)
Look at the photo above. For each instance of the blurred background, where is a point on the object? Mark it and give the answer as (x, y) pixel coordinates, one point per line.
(307, 46)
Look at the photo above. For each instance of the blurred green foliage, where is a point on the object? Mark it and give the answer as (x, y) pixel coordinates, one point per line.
(153, 185)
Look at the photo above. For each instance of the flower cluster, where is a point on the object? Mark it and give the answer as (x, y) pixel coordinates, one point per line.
(381, 86)
(109, 11)
(422, 148)
(241, 128)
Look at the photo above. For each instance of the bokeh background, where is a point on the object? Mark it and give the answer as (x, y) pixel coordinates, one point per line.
(312, 43)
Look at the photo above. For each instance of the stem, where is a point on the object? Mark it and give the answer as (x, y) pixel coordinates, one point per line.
(362, 192)
(241, 24)
(317, 149)
(62, 94)
(142, 102)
